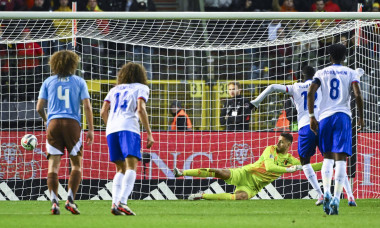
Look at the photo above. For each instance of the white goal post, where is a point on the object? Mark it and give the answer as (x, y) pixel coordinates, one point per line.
(190, 57)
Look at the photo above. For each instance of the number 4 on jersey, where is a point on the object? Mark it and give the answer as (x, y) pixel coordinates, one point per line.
(65, 97)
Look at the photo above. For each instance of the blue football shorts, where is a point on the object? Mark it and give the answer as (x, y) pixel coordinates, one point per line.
(122, 144)
(335, 134)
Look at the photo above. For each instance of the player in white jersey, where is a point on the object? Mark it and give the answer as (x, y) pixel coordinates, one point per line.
(307, 140)
(335, 131)
(123, 106)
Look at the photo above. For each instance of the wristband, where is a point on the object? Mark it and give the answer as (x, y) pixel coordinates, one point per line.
(311, 115)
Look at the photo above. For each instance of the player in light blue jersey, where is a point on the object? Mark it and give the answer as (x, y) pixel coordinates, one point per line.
(123, 106)
(335, 131)
(64, 92)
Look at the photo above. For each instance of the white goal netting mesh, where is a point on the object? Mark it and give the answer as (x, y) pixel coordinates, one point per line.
(188, 62)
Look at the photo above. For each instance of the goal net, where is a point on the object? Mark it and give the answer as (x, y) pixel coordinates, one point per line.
(190, 59)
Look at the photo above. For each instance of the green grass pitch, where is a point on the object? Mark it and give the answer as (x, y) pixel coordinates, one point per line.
(194, 214)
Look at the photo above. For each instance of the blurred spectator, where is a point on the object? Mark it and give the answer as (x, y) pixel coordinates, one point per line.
(287, 6)
(375, 7)
(319, 6)
(92, 5)
(221, 5)
(12, 5)
(40, 5)
(349, 43)
(41, 27)
(142, 53)
(102, 25)
(328, 6)
(63, 27)
(92, 48)
(181, 121)
(306, 49)
(236, 113)
(28, 52)
(280, 66)
(254, 5)
(247, 5)
(29, 68)
(138, 5)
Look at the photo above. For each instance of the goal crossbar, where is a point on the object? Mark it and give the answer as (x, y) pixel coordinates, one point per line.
(190, 15)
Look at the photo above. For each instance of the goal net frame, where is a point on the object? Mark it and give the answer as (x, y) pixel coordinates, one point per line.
(207, 144)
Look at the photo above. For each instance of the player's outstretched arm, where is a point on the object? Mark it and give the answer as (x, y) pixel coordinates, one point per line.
(40, 109)
(90, 120)
(359, 103)
(141, 110)
(270, 89)
(310, 105)
(271, 166)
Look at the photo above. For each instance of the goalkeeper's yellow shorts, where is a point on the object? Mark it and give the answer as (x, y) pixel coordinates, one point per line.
(243, 181)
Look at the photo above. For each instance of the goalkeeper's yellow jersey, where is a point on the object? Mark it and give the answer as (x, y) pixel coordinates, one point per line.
(271, 165)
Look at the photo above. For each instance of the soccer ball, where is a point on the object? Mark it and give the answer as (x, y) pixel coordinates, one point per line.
(29, 142)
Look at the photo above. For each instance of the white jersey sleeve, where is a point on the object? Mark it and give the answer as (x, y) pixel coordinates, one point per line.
(143, 92)
(270, 89)
(336, 87)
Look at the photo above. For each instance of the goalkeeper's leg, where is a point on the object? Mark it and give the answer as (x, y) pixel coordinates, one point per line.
(238, 195)
(223, 174)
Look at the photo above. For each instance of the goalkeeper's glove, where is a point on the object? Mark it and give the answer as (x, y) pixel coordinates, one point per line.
(299, 167)
(291, 169)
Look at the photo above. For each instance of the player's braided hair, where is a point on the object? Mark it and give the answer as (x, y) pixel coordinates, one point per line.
(337, 52)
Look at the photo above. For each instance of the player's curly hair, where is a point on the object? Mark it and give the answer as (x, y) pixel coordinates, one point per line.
(337, 52)
(132, 73)
(64, 63)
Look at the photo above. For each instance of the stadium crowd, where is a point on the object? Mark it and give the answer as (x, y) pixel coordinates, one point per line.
(209, 5)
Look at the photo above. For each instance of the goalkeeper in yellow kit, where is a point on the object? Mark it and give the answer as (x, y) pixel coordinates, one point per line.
(250, 179)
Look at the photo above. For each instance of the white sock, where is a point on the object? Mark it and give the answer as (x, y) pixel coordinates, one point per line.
(327, 173)
(53, 197)
(128, 184)
(116, 187)
(347, 187)
(340, 177)
(312, 178)
(70, 193)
